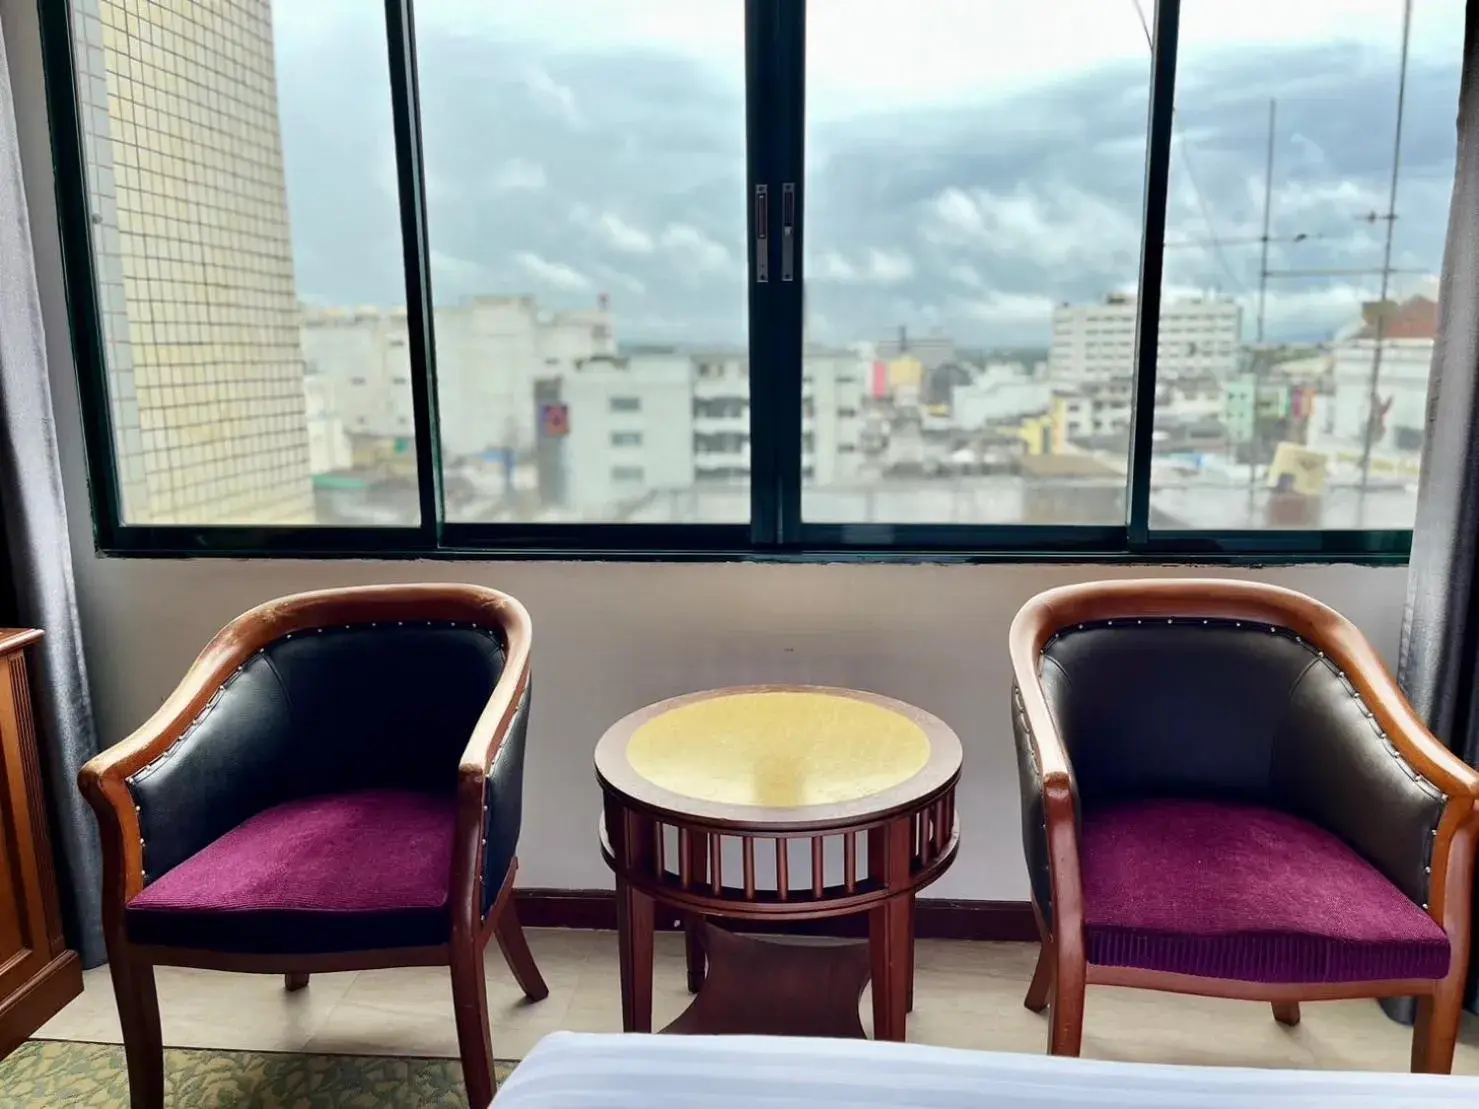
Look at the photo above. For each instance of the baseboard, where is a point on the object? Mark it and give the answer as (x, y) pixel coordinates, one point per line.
(40, 999)
(934, 918)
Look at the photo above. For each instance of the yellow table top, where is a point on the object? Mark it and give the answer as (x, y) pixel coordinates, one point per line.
(778, 749)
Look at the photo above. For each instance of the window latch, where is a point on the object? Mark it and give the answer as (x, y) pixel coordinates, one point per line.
(788, 231)
(762, 234)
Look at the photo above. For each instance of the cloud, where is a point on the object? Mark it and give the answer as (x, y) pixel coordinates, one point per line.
(624, 281)
(518, 175)
(996, 307)
(613, 231)
(1056, 224)
(962, 273)
(696, 249)
(876, 267)
(556, 275)
(555, 98)
(459, 272)
(1000, 206)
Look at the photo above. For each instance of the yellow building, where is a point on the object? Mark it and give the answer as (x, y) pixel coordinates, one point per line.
(905, 373)
(1037, 435)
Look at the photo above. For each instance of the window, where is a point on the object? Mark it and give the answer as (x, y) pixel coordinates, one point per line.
(1051, 295)
(544, 125)
(1303, 282)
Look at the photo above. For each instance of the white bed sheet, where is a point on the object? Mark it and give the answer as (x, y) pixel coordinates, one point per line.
(569, 1070)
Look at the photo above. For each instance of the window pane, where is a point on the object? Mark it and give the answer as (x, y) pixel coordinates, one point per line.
(233, 378)
(1268, 364)
(585, 170)
(975, 176)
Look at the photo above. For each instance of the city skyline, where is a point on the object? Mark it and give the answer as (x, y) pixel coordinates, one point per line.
(564, 167)
(243, 390)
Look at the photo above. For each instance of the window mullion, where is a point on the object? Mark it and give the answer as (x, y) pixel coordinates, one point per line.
(421, 342)
(774, 156)
(1152, 251)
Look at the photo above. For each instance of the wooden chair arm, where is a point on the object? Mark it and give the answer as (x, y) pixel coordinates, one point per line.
(1059, 793)
(493, 723)
(482, 748)
(103, 779)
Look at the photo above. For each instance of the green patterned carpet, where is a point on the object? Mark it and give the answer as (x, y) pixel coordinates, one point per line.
(49, 1074)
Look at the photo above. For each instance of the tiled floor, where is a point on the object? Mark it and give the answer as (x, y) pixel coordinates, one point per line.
(967, 995)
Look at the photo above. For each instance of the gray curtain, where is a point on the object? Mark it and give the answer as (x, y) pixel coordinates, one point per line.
(40, 554)
(1438, 664)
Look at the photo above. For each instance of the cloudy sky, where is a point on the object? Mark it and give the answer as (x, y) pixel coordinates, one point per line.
(970, 163)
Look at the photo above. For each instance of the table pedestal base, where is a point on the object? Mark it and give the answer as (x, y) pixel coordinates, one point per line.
(777, 986)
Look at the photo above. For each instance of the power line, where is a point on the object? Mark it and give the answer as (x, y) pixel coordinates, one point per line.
(1191, 176)
(1369, 436)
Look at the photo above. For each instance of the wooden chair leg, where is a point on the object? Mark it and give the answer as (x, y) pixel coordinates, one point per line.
(634, 924)
(1042, 980)
(1286, 1013)
(295, 982)
(470, 1007)
(143, 1045)
(1435, 1031)
(1066, 1010)
(515, 947)
(693, 950)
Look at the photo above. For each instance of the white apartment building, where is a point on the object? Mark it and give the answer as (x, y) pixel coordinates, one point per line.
(630, 430)
(489, 352)
(328, 442)
(1095, 408)
(1338, 422)
(361, 358)
(1003, 391)
(1096, 342)
(681, 420)
(834, 383)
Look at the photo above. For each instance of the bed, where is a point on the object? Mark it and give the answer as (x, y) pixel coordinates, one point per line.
(569, 1070)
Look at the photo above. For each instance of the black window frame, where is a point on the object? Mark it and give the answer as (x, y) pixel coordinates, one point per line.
(775, 140)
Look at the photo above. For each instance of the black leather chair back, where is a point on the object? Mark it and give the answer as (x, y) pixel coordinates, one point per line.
(1180, 708)
(327, 710)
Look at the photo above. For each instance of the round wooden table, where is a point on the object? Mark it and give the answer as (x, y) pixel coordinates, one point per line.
(765, 804)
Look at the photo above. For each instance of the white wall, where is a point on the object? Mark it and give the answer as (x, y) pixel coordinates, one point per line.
(610, 638)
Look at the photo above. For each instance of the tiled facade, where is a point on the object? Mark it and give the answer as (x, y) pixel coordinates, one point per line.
(178, 102)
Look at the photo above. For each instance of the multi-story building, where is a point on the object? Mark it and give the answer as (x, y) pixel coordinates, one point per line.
(1339, 421)
(668, 421)
(629, 430)
(489, 352)
(1096, 342)
(834, 383)
(931, 351)
(1001, 392)
(1092, 410)
(362, 360)
(328, 443)
(178, 103)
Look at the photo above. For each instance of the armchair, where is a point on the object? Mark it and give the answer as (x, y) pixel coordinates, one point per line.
(334, 785)
(1225, 793)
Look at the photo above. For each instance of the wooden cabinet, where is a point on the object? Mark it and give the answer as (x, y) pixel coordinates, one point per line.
(38, 975)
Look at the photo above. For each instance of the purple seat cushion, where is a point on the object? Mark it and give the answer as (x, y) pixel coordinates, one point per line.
(1221, 890)
(347, 872)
